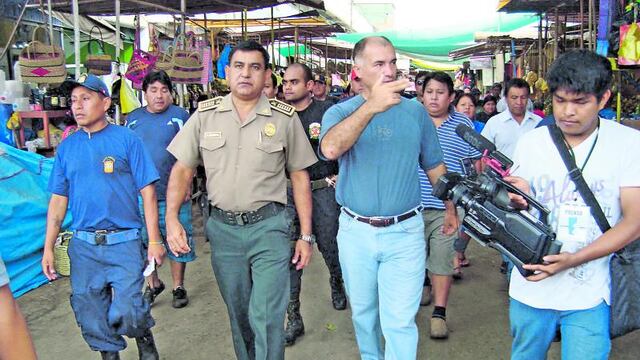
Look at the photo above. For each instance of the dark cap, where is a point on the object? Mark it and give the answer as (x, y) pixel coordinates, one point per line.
(88, 81)
(320, 79)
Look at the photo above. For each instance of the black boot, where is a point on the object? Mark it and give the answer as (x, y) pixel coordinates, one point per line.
(338, 297)
(147, 347)
(110, 355)
(295, 326)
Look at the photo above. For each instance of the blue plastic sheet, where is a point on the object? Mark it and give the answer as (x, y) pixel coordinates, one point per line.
(223, 61)
(6, 135)
(23, 214)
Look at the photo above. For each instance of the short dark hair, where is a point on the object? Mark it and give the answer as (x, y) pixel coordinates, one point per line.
(274, 80)
(359, 47)
(458, 98)
(516, 83)
(441, 77)
(307, 75)
(160, 76)
(497, 85)
(489, 98)
(580, 71)
(421, 74)
(251, 46)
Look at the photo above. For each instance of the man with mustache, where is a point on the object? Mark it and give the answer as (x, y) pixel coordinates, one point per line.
(246, 143)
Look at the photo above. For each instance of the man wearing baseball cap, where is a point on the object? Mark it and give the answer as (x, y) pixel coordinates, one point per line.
(99, 171)
(320, 90)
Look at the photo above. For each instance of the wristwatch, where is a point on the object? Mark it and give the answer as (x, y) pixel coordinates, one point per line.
(311, 239)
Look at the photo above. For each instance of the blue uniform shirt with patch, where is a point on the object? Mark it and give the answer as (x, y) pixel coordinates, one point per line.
(102, 176)
(156, 132)
(378, 174)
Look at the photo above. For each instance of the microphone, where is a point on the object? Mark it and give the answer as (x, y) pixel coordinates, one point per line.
(474, 139)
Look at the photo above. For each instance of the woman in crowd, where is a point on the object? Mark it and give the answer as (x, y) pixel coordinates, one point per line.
(488, 109)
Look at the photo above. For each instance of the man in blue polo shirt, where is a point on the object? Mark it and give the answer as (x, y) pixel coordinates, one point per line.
(157, 124)
(437, 97)
(99, 171)
(379, 138)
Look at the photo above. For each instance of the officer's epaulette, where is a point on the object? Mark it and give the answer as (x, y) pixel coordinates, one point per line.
(284, 108)
(209, 104)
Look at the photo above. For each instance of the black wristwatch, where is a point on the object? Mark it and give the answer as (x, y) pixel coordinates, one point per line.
(311, 239)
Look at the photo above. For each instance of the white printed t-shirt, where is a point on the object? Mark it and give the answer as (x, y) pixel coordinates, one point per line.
(612, 165)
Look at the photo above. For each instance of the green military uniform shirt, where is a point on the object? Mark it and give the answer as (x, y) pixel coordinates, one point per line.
(245, 163)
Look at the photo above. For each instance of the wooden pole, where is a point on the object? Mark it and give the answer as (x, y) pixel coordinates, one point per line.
(556, 36)
(295, 39)
(76, 37)
(590, 24)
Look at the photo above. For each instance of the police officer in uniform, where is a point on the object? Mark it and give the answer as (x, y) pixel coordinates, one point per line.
(246, 143)
(99, 171)
(298, 86)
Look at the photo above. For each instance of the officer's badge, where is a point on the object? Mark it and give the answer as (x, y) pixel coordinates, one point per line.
(108, 164)
(314, 131)
(270, 129)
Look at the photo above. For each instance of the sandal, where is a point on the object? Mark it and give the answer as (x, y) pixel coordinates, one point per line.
(457, 273)
(463, 261)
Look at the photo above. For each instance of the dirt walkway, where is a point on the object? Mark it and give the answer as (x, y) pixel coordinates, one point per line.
(477, 317)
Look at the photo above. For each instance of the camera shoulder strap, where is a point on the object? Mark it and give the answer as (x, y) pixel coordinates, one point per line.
(576, 176)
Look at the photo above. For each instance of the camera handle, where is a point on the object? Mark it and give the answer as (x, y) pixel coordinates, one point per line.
(544, 212)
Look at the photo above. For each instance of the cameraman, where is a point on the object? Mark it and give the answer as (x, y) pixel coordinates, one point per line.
(571, 290)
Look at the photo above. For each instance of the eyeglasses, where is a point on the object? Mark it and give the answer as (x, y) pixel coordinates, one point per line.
(420, 82)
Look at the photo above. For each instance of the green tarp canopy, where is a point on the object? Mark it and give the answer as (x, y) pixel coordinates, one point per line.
(439, 42)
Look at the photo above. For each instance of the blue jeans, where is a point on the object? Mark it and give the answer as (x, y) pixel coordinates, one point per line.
(383, 271)
(585, 333)
(185, 218)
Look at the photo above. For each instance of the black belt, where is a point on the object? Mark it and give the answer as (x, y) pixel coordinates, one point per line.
(383, 221)
(246, 217)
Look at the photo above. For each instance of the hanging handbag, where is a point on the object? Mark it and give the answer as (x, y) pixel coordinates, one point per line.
(98, 63)
(186, 63)
(41, 63)
(140, 65)
(624, 266)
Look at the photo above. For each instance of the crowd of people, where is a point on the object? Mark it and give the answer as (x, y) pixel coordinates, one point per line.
(352, 175)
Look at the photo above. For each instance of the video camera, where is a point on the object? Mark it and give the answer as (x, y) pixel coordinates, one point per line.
(489, 218)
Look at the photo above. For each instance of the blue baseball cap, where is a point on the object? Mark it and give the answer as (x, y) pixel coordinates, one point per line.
(89, 81)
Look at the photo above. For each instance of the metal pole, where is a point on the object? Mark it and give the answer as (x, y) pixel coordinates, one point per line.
(540, 47)
(556, 36)
(181, 88)
(295, 38)
(581, 24)
(76, 36)
(590, 24)
(50, 22)
(273, 43)
(326, 54)
(118, 44)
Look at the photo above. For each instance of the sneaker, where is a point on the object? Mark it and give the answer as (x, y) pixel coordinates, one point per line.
(150, 293)
(439, 329)
(180, 298)
(426, 296)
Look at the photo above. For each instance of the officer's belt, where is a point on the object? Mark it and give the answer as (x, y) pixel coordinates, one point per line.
(315, 184)
(246, 217)
(107, 237)
(379, 221)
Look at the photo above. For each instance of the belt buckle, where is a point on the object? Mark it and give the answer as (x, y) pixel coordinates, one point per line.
(100, 237)
(378, 221)
(241, 219)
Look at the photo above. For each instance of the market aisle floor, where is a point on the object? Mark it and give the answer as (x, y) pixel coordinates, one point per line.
(477, 317)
